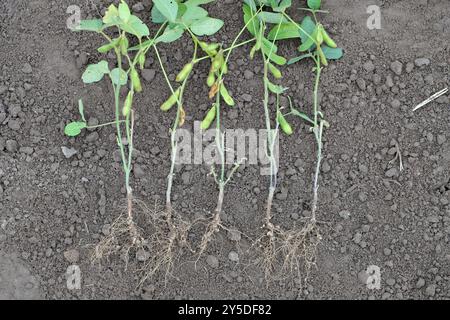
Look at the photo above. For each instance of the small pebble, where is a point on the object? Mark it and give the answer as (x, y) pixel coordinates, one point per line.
(233, 256)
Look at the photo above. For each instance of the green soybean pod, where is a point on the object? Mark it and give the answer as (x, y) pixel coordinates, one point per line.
(226, 95)
(105, 48)
(211, 47)
(124, 44)
(203, 45)
(322, 56)
(284, 125)
(210, 116)
(184, 73)
(225, 68)
(135, 80)
(275, 71)
(319, 35)
(211, 79)
(141, 60)
(128, 104)
(217, 62)
(326, 37)
(166, 106)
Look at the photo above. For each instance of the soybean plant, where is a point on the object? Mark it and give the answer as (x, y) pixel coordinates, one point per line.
(126, 26)
(319, 47)
(268, 50)
(220, 93)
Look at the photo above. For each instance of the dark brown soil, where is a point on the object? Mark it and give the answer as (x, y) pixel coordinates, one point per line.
(53, 209)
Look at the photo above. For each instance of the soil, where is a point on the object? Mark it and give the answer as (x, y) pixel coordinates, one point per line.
(54, 210)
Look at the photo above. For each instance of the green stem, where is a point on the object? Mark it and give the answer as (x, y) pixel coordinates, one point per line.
(174, 146)
(299, 28)
(318, 132)
(316, 90)
(126, 166)
(103, 125)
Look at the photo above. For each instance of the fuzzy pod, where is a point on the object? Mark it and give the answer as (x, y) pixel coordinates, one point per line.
(135, 80)
(322, 56)
(226, 96)
(275, 71)
(211, 79)
(169, 103)
(107, 47)
(182, 117)
(210, 116)
(214, 89)
(319, 35)
(284, 124)
(328, 40)
(210, 49)
(217, 62)
(141, 60)
(184, 73)
(124, 44)
(225, 68)
(128, 104)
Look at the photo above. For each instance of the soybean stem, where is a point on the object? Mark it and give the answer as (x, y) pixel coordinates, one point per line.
(318, 132)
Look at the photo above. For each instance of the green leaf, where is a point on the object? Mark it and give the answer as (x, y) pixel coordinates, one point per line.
(95, 72)
(124, 12)
(168, 8)
(136, 27)
(90, 25)
(119, 76)
(302, 115)
(297, 59)
(332, 53)
(283, 6)
(206, 26)
(287, 31)
(81, 109)
(194, 13)
(308, 25)
(182, 8)
(157, 16)
(170, 35)
(197, 2)
(111, 15)
(73, 129)
(275, 88)
(314, 4)
(253, 26)
(272, 17)
(251, 4)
